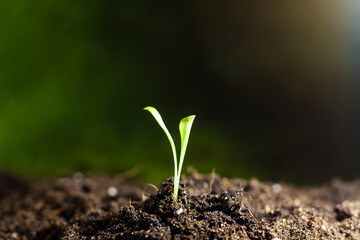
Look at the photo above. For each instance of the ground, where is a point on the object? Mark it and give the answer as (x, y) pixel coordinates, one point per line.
(94, 206)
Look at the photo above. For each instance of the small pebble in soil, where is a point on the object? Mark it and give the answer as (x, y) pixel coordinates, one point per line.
(276, 187)
(267, 208)
(78, 177)
(179, 211)
(112, 191)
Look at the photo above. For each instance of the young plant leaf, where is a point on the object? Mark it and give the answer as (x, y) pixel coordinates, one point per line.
(184, 128)
(160, 121)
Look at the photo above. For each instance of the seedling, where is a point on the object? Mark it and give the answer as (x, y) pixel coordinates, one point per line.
(184, 128)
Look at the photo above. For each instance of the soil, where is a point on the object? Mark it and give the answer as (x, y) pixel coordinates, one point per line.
(208, 207)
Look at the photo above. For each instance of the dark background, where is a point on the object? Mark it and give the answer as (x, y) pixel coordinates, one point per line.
(273, 84)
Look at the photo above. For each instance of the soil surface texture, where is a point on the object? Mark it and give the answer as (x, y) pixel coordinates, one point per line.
(94, 206)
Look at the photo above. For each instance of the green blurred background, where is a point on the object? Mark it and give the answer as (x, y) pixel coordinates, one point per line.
(273, 84)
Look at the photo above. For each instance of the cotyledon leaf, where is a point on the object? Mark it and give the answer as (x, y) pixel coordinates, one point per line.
(184, 128)
(160, 121)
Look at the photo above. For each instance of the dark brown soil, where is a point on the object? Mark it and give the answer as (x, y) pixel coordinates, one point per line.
(208, 207)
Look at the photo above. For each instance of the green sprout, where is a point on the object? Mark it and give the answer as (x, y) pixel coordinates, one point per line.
(184, 128)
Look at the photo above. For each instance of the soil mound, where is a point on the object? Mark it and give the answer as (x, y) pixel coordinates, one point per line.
(208, 207)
